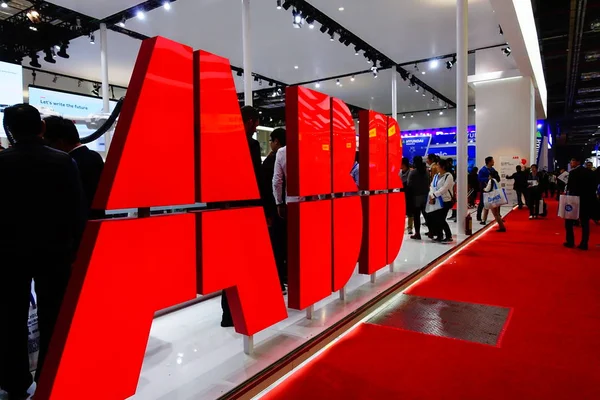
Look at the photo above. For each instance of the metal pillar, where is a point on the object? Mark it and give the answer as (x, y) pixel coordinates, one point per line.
(343, 293)
(247, 52)
(374, 277)
(462, 42)
(104, 76)
(248, 344)
(310, 312)
(394, 94)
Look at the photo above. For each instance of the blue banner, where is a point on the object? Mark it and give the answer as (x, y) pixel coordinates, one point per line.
(415, 146)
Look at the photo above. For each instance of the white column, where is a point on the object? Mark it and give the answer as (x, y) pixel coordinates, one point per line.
(246, 46)
(462, 116)
(104, 75)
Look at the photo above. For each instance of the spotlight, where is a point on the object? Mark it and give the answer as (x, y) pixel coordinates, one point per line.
(279, 4)
(337, 82)
(404, 117)
(140, 15)
(122, 23)
(428, 113)
(433, 98)
(441, 113)
(239, 73)
(79, 82)
(412, 115)
(297, 18)
(416, 67)
(296, 67)
(4, 5)
(167, 5)
(34, 17)
(423, 72)
(311, 26)
(331, 37)
(287, 5)
(507, 51)
(271, 84)
(374, 71)
(311, 22)
(34, 60)
(33, 28)
(323, 28)
(424, 93)
(433, 64)
(55, 79)
(352, 79)
(92, 38)
(417, 89)
(539, 126)
(356, 50)
(317, 85)
(96, 90)
(475, 109)
(451, 63)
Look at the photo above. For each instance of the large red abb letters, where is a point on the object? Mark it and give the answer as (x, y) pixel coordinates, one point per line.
(128, 269)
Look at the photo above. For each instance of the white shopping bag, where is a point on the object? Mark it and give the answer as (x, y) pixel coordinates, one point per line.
(34, 335)
(437, 205)
(495, 198)
(568, 207)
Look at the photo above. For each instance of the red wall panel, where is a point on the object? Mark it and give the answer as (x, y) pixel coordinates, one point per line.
(309, 253)
(373, 151)
(123, 275)
(347, 238)
(308, 116)
(162, 77)
(396, 223)
(394, 154)
(373, 255)
(343, 140)
(234, 254)
(222, 146)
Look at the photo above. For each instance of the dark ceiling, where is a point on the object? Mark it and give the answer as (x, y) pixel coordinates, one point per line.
(569, 32)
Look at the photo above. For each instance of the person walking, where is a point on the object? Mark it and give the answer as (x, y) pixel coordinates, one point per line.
(404, 173)
(418, 187)
(61, 134)
(582, 183)
(277, 226)
(534, 193)
(473, 183)
(493, 183)
(484, 176)
(43, 225)
(441, 188)
(520, 185)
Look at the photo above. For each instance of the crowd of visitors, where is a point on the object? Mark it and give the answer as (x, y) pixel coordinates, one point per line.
(48, 193)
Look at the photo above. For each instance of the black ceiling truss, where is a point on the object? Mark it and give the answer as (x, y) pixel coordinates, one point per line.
(329, 26)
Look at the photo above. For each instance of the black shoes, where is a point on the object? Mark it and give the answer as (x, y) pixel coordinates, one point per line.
(226, 323)
(583, 247)
(416, 237)
(569, 245)
(447, 240)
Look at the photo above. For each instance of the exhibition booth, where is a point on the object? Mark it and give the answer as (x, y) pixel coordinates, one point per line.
(188, 354)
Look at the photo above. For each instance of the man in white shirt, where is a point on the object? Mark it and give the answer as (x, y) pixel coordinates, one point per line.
(279, 178)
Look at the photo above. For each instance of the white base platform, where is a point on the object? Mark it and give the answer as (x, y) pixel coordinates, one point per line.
(189, 356)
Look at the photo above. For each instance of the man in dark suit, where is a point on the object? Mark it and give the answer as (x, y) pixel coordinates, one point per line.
(520, 186)
(277, 225)
(62, 135)
(581, 183)
(41, 227)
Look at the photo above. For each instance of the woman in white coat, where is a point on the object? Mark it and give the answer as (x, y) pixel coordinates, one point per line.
(442, 189)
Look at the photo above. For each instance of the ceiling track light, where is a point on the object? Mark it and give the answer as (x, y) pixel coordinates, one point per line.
(428, 113)
(4, 4)
(140, 15)
(352, 79)
(451, 63)
(297, 19)
(34, 16)
(417, 90)
(318, 85)
(287, 4)
(412, 115)
(167, 5)
(92, 38)
(122, 22)
(332, 37)
(337, 82)
(507, 51)
(279, 4)
(54, 79)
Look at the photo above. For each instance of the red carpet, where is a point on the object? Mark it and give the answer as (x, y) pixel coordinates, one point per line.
(550, 348)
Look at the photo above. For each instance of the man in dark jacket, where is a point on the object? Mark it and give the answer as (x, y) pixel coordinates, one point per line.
(520, 186)
(581, 183)
(277, 225)
(62, 135)
(42, 224)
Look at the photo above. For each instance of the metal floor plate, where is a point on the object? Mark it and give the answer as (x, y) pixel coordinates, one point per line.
(452, 319)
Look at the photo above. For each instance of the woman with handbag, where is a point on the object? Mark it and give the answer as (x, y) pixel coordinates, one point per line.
(418, 187)
(441, 197)
(493, 184)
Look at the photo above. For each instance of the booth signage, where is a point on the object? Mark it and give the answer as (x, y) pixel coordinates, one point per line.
(127, 269)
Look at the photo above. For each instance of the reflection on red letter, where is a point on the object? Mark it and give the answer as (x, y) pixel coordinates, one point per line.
(347, 211)
(396, 201)
(308, 115)
(220, 122)
(163, 73)
(248, 275)
(373, 167)
(126, 271)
